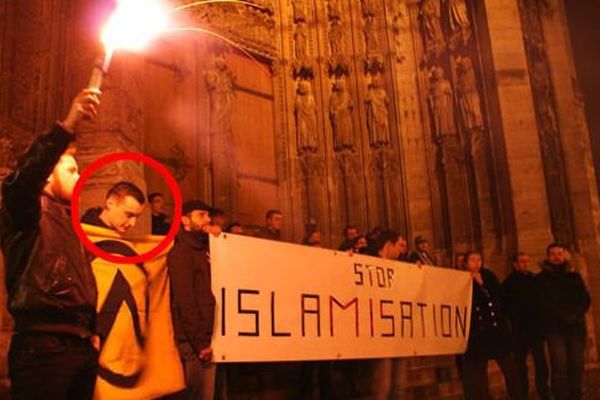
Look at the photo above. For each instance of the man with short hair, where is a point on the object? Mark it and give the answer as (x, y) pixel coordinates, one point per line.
(421, 254)
(404, 254)
(192, 300)
(565, 302)
(51, 288)
(235, 227)
(123, 206)
(272, 229)
(160, 225)
(459, 261)
(350, 234)
(388, 245)
(522, 303)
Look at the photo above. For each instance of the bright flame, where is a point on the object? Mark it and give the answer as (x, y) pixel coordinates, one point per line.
(134, 24)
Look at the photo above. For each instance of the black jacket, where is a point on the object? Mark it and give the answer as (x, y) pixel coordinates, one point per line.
(192, 300)
(48, 277)
(565, 300)
(266, 233)
(422, 257)
(522, 302)
(92, 217)
(160, 225)
(490, 335)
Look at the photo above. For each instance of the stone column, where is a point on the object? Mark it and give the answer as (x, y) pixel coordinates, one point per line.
(421, 189)
(518, 126)
(576, 150)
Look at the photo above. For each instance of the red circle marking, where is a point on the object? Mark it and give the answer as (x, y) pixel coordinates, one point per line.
(103, 161)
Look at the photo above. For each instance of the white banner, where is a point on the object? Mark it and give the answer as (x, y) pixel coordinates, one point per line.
(283, 302)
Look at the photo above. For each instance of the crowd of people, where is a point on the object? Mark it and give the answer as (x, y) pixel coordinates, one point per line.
(52, 292)
(531, 310)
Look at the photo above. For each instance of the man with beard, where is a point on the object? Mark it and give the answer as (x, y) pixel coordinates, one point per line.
(192, 300)
(565, 302)
(51, 288)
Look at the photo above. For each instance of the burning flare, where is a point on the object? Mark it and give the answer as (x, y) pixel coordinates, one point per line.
(132, 26)
(135, 23)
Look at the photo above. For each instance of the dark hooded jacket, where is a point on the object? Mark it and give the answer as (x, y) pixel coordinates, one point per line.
(565, 299)
(49, 279)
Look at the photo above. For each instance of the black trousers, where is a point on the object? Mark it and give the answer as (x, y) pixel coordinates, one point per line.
(52, 366)
(537, 349)
(475, 378)
(567, 357)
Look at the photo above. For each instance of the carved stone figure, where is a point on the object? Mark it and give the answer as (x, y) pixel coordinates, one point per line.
(242, 24)
(301, 42)
(460, 25)
(431, 16)
(378, 114)
(335, 9)
(468, 94)
(220, 82)
(336, 36)
(371, 34)
(440, 100)
(300, 10)
(305, 111)
(340, 114)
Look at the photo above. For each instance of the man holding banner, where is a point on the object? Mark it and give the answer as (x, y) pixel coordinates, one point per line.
(51, 288)
(192, 300)
(389, 245)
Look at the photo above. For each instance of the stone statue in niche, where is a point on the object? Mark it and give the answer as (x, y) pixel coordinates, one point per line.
(468, 94)
(377, 114)
(336, 37)
(299, 10)
(338, 65)
(340, 114)
(301, 42)
(305, 110)
(371, 35)
(220, 81)
(441, 103)
(460, 25)
(335, 9)
(431, 16)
